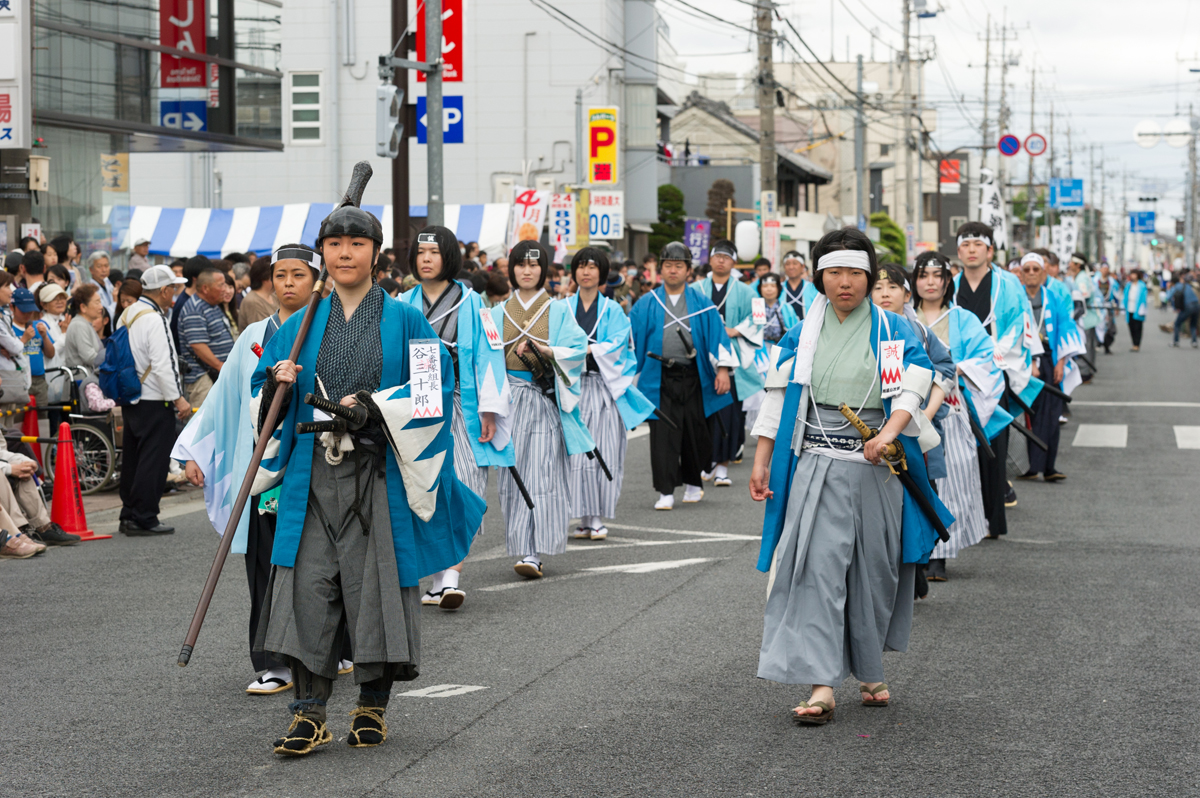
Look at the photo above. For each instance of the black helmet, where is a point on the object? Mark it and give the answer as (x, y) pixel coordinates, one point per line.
(675, 250)
(348, 219)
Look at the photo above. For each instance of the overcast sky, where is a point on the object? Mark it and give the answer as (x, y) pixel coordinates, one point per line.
(1105, 64)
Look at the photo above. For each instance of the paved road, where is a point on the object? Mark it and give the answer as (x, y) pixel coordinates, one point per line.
(1055, 662)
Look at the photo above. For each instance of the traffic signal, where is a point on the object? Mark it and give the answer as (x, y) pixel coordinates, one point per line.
(1154, 242)
(1179, 238)
(389, 130)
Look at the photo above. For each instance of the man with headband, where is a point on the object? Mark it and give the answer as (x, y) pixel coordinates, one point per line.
(683, 362)
(798, 293)
(1086, 299)
(609, 403)
(997, 299)
(842, 536)
(481, 424)
(734, 301)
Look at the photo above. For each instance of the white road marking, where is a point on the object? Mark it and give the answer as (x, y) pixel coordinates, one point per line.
(637, 432)
(692, 533)
(1109, 436)
(442, 691)
(631, 568)
(1187, 437)
(648, 567)
(1078, 403)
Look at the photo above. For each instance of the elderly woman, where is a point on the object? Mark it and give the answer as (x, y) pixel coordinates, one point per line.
(841, 535)
(83, 346)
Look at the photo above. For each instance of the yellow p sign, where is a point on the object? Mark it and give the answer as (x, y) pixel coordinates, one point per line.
(603, 145)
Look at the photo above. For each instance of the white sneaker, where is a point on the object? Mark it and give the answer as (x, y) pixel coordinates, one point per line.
(276, 680)
(602, 532)
(692, 494)
(665, 501)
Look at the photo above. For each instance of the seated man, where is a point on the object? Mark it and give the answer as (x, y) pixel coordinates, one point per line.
(21, 498)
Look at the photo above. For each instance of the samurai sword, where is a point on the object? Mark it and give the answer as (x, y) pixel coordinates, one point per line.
(980, 436)
(1054, 390)
(670, 363)
(893, 455)
(521, 486)
(594, 454)
(1085, 359)
(1034, 439)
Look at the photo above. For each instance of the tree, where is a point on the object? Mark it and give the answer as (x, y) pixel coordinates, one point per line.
(891, 237)
(669, 226)
(718, 196)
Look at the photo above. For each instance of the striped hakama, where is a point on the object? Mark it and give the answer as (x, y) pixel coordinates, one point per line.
(541, 460)
(591, 491)
(960, 491)
(839, 594)
(470, 474)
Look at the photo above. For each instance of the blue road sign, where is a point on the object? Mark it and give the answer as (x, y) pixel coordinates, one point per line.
(1066, 193)
(1009, 145)
(1141, 221)
(184, 115)
(452, 120)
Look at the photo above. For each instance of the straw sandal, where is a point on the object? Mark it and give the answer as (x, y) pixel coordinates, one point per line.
(813, 720)
(368, 729)
(874, 691)
(303, 737)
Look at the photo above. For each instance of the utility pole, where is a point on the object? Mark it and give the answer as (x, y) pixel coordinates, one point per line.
(1002, 125)
(1100, 249)
(859, 145)
(400, 162)
(1029, 196)
(433, 109)
(1050, 175)
(987, 65)
(579, 137)
(906, 90)
(766, 98)
(1092, 238)
(1124, 216)
(1189, 220)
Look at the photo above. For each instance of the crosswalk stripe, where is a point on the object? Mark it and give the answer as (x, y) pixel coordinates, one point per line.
(1187, 437)
(1109, 436)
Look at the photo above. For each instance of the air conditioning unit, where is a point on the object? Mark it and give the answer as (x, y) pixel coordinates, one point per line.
(544, 183)
(502, 189)
(955, 223)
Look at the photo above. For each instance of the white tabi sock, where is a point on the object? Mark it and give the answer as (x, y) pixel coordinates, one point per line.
(721, 472)
(449, 579)
(438, 582)
(533, 560)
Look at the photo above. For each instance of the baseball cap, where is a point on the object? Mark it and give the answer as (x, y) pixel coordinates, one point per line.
(48, 292)
(22, 298)
(159, 277)
(141, 241)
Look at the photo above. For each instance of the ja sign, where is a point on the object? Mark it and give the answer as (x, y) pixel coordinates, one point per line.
(1066, 193)
(452, 120)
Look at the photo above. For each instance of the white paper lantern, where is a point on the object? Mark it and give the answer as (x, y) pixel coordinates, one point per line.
(746, 239)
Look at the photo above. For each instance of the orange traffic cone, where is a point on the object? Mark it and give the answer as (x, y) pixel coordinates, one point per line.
(29, 428)
(66, 509)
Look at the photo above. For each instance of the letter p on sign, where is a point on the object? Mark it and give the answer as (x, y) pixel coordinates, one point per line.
(603, 145)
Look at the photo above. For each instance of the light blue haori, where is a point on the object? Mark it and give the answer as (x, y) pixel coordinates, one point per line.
(739, 316)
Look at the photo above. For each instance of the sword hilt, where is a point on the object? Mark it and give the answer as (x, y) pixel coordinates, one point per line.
(893, 452)
(355, 417)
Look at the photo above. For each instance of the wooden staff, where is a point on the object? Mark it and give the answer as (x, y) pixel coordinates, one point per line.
(243, 496)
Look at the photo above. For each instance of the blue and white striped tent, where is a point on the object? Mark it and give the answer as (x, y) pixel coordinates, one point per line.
(215, 232)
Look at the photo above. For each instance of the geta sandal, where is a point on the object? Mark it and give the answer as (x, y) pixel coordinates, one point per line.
(813, 720)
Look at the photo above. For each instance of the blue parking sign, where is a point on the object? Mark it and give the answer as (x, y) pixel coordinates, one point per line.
(452, 120)
(184, 115)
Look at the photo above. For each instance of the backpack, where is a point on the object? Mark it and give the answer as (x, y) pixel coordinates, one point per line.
(119, 379)
(1179, 300)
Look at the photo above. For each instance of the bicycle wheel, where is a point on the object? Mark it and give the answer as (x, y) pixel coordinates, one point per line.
(95, 457)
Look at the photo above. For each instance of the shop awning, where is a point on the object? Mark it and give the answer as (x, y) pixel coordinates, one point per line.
(215, 232)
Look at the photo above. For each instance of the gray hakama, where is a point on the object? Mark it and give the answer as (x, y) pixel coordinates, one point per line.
(342, 570)
(470, 474)
(541, 459)
(960, 491)
(840, 595)
(591, 491)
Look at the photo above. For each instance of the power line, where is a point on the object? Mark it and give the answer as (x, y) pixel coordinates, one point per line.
(864, 27)
(722, 20)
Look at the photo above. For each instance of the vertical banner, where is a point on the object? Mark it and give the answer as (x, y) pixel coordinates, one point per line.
(114, 172)
(606, 215)
(771, 243)
(562, 219)
(15, 76)
(582, 206)
(182, 24)
(452, 40)
(697, 235)
(603, 145)
(528, 215)
(950, 175)
(991, 208)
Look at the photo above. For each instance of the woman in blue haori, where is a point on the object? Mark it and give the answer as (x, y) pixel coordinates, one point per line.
(974, 393)
(841, 537)
(481, 425)
(1134, 301)
(544, 351)
(609, 404)
(364, 513)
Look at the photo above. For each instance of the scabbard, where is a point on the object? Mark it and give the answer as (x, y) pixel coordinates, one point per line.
(910, 484)
(1055, 391)
(1034, 439)
(980, 435)
(603, 465)
(521, 486)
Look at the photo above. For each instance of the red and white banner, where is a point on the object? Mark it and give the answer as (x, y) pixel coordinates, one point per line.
(528, 215)
(183, 24)
(452, 40)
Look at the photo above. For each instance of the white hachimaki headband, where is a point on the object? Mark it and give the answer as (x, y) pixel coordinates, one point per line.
(849, 258)
(793, 255)
(313, 259)
(963, 239)
(427, 238)
(722, 249)
(1033, 257)
(1079, 260)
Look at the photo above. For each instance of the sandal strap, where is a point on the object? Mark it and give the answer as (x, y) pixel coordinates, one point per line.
(872, 691)
(820, 704)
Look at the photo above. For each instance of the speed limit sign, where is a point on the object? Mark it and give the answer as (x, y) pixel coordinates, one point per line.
(1035, 144)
